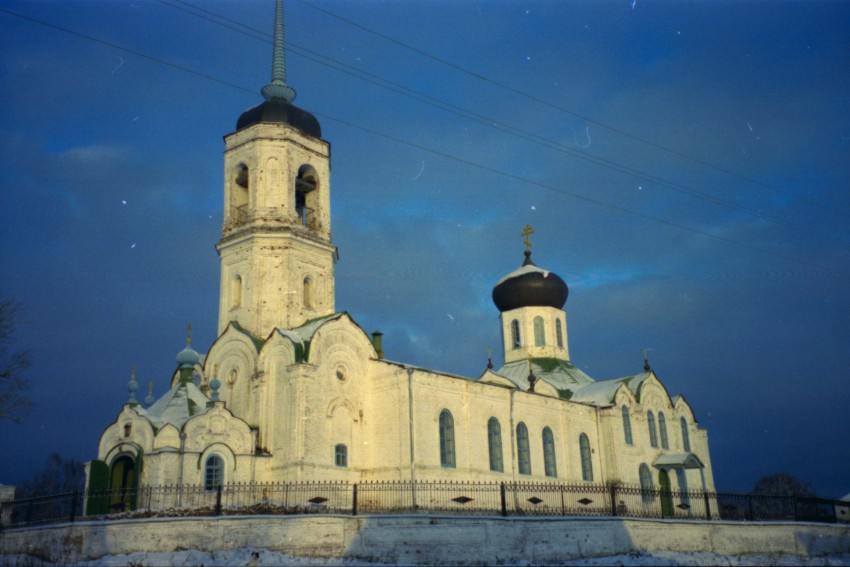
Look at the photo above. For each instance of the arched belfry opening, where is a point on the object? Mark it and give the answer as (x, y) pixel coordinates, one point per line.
(306, 195)
(239, 194)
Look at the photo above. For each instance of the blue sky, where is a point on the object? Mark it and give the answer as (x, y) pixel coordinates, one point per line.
(685, 166)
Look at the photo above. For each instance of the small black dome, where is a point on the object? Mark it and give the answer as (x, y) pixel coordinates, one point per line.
(530, 286)
(278, 111)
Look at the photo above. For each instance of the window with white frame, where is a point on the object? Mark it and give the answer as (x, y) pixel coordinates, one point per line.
(549, 463)
(447, 439)
(627, 426)
(341, 455)
(586, 463)
(653, 434)
(647, 490)
(662, 430)
(516, 341)
(523, 450)
(214, 472)
(494, 442)
(539, 332)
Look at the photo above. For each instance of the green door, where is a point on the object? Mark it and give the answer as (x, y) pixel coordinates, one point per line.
(123, 482)
(97, 500)
(666, 495)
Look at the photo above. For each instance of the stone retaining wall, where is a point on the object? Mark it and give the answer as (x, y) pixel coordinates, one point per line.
(421, 539)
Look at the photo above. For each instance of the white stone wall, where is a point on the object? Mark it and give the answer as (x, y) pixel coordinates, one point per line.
(424, 539)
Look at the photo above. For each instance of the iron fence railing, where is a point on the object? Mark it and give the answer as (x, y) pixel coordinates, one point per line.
(377, 497)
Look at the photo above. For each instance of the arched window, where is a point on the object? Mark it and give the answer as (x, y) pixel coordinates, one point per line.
(586, 464)
(549, 462)
(522, 449)
(308, 292)
(559, 334)
(539, 332)
(447, 439)
(653, 435)
(686, 440)
(647, 493)
(236, 292)
(341, 455)
(627, 426)
(662, 430)
(682, 479)
(214, 472)
(494, 442)
(515, 338)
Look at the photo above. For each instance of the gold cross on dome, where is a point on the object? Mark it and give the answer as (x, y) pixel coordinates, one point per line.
(526, 232)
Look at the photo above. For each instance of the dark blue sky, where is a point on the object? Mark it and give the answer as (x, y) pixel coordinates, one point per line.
(685, 166)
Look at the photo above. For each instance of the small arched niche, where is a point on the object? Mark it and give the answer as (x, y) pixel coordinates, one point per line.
(308, 292)
(236, 292)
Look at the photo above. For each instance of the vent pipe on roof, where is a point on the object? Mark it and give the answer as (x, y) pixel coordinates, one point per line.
(378, 343)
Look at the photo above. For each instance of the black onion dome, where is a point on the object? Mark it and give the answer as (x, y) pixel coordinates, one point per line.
(530, 286)
(278, 111)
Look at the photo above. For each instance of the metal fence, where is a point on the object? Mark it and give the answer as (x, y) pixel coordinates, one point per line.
(483, 498)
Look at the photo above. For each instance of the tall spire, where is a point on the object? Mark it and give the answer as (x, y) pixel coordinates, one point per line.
(278, 87)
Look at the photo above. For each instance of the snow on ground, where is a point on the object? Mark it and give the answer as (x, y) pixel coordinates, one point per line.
(250, 557)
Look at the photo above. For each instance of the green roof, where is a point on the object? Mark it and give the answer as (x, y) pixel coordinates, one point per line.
(561, 374)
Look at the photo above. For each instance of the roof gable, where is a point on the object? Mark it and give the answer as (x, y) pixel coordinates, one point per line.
(177, 405)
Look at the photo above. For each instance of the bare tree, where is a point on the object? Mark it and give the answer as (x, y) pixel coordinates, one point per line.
(782, 485)
(775, 496)
(14, 401)
(58, 476)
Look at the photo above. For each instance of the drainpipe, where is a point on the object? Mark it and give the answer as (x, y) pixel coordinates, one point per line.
(254, 456)
(513, 440)
(602, 471)
(378, 343)
(180, 474)
(410, 428)
(705, 493)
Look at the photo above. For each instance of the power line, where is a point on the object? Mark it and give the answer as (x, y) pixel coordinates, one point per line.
(424, 98)
(543, 102)
(580, 196)
(445, 155)
(128, 50)
(551, 144)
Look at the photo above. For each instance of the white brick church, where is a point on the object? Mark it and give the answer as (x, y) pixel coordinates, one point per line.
(295, 390)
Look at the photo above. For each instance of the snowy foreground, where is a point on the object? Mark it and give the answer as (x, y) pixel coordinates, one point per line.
(251, 557)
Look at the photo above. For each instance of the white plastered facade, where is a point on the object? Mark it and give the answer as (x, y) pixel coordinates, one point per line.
(299, 380)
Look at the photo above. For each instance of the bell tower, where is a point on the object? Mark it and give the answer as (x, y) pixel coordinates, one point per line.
(277, 258)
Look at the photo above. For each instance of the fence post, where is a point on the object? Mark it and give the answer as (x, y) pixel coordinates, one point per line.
(503, 498)
(707, 506)
(74, 497)
(613, 490)
(796, 517)
(218, 500)
(750, 504)
(354, 500)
